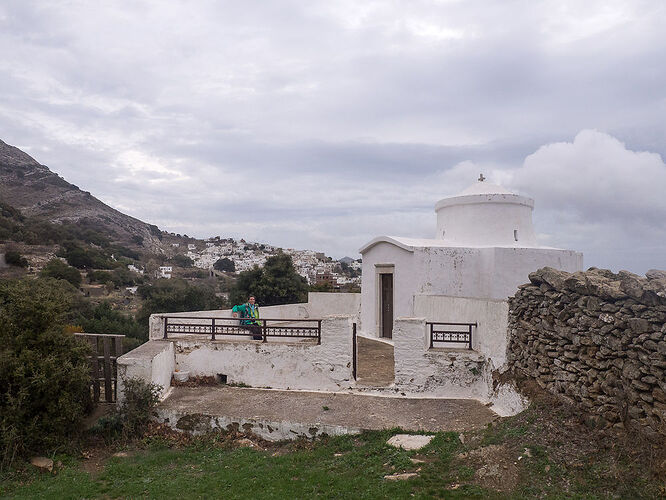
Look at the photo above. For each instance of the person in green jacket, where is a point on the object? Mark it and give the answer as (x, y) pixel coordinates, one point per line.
(249, 317)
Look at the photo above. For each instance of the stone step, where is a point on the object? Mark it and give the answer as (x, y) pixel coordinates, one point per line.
(277, 415)
(375, 366)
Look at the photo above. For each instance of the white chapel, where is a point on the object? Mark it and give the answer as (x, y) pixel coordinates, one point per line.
(484, 247)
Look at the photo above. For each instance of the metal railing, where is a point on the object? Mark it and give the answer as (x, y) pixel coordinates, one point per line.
(438, 333)
(266, 327)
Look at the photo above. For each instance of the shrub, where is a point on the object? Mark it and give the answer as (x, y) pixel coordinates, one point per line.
(224, 264)
(55, 268)
(13, 258)
(44, 371)
(130, 419)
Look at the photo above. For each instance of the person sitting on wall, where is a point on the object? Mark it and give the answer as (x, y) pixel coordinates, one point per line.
(249, 314)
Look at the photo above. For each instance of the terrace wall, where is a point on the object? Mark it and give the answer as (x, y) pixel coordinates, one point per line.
(597, 339)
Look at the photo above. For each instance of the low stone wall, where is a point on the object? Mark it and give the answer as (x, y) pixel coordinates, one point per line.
(152, 362)
(280, 365)
(446, 373)
(597, 339)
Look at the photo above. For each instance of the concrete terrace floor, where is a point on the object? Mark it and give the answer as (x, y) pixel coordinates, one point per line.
(333, 413)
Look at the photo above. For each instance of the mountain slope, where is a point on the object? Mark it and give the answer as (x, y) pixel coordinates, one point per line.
(37, 192)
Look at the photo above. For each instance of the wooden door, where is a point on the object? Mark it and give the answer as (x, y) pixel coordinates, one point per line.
(386, 306)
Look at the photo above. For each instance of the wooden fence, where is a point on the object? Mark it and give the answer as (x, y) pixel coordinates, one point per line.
(105, 351)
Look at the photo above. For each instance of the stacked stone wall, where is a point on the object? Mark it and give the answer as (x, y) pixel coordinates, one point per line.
(597, 339)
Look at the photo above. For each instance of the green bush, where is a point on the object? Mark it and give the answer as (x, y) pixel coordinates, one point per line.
(44, 372)
(55, 268)
(130, 419)
(14, 258)
(275, 283)
(175, 295)
(104, 319)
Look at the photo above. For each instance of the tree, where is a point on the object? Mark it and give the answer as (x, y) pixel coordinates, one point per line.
(174, 295)
(55, 268)
(224, 264)
(104, 319)
(276, 283)
(44, 372)
(14, 258)
(182, 261)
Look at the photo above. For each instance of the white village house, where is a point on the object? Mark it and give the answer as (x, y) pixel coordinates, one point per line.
(435, 309)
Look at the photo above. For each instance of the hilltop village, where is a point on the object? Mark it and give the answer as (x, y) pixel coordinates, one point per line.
(239, 256)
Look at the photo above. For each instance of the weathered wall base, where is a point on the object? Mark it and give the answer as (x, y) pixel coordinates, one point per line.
(198, 423)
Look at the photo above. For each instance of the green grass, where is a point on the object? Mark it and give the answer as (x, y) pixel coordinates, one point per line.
(207, 471)
(548, 454)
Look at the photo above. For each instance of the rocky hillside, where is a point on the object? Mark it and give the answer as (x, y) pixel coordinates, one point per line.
(39, 193)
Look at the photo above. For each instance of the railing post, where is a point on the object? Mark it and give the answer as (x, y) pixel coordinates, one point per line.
(264, 330)
(354, 350)
(166, 319)
(470, 337)
(431, 341)
(212, 329)
(318, 332)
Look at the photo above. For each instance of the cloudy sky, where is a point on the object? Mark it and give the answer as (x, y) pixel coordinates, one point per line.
(321, 124)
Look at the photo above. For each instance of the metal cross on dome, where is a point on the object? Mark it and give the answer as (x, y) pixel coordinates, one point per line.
(481, 178)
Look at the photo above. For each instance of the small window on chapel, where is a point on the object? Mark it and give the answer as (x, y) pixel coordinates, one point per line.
(515, 234)
(443, 233)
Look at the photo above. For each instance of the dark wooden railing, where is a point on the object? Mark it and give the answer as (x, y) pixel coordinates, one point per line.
(265, 327)
(462, 333)
(106, 349)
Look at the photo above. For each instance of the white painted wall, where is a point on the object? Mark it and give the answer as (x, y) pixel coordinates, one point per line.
(479, 272)
(487, 220)
(283, 365)
(448, 373)
(404, 282)
(435, 373)
(152, 362)
(489, 338)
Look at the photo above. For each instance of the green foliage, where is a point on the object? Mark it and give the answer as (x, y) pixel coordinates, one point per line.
(100, 276)
(276, 283)
(55, 268)
(174, 295)
(225, 265)
(131, 417)
(44, 373)
(104, 319)
(182, 261)
(82, 257)
(155, 231)
(14, 258)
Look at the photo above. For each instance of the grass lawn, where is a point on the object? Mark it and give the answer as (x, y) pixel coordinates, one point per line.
(545, 452)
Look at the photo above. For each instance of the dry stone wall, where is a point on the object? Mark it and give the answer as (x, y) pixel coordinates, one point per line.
(597, 339)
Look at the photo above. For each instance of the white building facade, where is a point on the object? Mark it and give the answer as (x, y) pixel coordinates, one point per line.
(484, 248)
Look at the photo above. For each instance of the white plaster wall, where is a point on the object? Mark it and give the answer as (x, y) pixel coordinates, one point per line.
(435, 373)
(322, 304)
(459, 271)
(404, 284)
(153, 362)
(293, 365)
(489, 338)
(487, 224)
(513, 265)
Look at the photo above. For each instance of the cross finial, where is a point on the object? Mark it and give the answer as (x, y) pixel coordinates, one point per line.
(481, 178)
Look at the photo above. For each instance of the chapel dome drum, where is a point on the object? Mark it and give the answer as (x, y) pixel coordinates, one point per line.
(485, 214)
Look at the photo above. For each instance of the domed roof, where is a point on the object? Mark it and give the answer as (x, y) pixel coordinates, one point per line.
(481, 187)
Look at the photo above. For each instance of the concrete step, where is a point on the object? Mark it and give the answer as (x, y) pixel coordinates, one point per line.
(375, 365)
(276, 415)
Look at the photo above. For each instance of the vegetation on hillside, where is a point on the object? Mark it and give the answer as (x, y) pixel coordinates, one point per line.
(275, 283)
